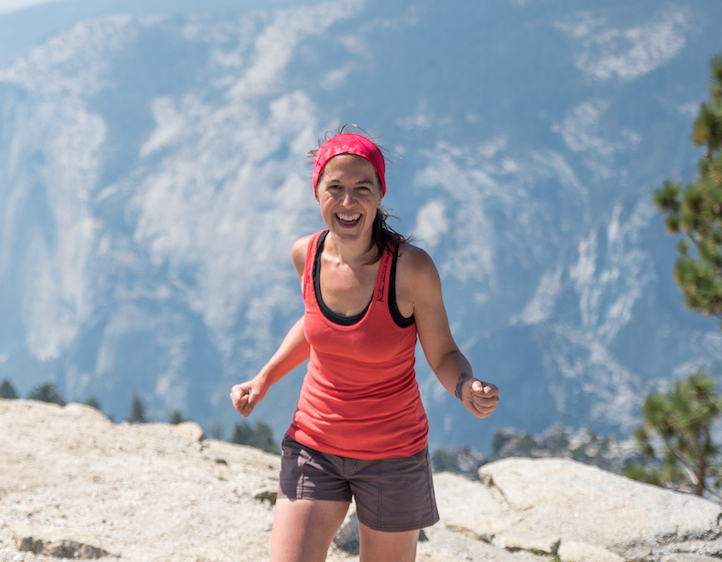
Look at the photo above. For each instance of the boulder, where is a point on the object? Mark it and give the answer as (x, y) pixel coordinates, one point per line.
(583, 513)
(190, 430)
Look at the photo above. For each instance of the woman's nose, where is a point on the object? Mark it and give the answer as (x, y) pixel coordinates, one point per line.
(348, 197)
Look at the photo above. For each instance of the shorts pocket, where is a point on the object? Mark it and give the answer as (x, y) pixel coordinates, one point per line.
(406, 485)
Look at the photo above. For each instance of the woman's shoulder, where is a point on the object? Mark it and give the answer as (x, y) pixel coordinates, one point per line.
(301, 245)
(417, 280)
(412, 255)
(298, 253)
(415, 261)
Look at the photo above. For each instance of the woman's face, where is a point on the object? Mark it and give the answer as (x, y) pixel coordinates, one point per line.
(349, 193)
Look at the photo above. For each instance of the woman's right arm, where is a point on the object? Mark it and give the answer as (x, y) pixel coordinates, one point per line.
(293, 351)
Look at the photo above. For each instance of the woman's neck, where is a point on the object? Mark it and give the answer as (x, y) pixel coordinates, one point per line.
(353, 255)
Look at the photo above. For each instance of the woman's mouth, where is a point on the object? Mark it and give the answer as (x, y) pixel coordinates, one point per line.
(348, 220)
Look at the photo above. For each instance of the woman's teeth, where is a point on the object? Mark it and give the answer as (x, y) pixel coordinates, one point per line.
(349, 218)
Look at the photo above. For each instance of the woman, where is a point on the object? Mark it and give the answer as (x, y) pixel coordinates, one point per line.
(360, 429)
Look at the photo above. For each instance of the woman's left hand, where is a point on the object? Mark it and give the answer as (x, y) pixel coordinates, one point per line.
(480, 398)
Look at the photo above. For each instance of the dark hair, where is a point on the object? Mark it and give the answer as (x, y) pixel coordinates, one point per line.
(383, 237)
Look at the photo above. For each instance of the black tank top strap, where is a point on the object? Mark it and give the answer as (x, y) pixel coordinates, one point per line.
(401, 321)
(331, 315)
(335, 317)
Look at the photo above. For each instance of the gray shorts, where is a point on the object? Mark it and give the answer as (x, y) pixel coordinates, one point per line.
(391, 495)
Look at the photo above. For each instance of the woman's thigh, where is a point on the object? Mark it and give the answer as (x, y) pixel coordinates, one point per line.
(381, 546)
(303, 529)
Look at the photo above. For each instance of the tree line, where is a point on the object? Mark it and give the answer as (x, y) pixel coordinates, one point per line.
(258, 434)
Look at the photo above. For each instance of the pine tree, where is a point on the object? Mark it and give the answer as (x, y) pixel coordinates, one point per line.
(47, 393)
(93, 402)
(259, 435)
(696, 211)
(464, 461)
(216, 430)
(176, 417)
(137, 410)
(7, 390)
(681, 419)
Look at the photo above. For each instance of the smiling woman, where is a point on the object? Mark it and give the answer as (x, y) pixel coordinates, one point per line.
(349, 196)
(367, 153)
(360, 430)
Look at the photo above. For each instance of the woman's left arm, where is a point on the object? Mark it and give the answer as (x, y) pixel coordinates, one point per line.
(451, 367)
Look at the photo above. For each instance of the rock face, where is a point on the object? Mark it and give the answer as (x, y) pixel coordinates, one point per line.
(136, 491)
(75, 485)
(581, 513)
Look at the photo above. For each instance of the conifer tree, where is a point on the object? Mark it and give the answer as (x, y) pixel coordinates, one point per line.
(681, 419)
(216, 430)
(696, 211)
(7, 390)
(137, 409)
(259, 435)
(47, 393)
(176, 417)
(93, 402)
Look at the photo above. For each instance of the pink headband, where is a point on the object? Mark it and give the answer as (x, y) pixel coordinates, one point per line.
(349, 143)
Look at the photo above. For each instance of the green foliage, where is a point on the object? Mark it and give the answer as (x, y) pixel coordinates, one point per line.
(216, 430)
(462, 461)
(259, 435)
(7, 390)
(47, 393)
(696, 211)
(582, 445)
(526, 444)
(93, 402)
(444, 461)
(553, 556)
(137, 410)
(681, 419)
(523, 444)
(176, 417)
(644, 474)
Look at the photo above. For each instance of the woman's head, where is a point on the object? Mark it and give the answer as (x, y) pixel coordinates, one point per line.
(382, 236)
(349, 195)
(349, 143)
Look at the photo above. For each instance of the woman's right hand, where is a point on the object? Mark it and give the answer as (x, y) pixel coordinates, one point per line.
(293, 351)
(246, 395)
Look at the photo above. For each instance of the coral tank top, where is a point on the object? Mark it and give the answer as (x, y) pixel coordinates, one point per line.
(360, 398)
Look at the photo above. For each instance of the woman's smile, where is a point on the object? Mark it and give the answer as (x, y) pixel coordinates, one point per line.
(348, 219)
(349, 194)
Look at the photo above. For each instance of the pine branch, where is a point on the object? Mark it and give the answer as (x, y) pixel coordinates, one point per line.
(689, 468)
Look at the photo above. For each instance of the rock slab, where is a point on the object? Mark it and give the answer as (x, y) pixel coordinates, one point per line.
(585, 514)
(73, 484)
